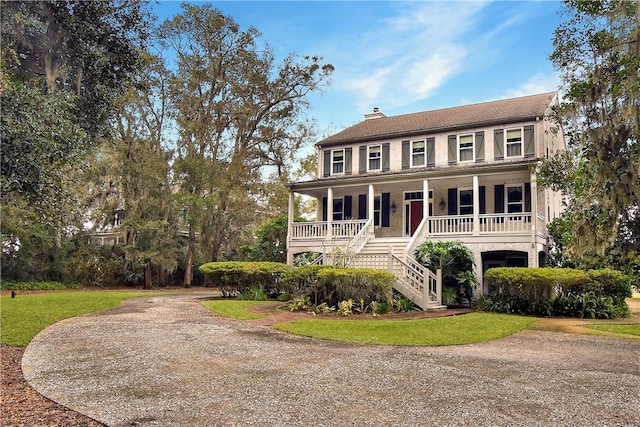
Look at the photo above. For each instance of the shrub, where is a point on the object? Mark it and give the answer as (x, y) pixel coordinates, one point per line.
(234, 277)
(345, 308)
(340, 284)
(37, 286)
(597, 294)
(300, 304)
(403, 304)
(254, 293)
(301, 280)
(378, 308)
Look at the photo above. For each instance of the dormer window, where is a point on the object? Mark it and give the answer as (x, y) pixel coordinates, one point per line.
(337, 162)
(375, 158)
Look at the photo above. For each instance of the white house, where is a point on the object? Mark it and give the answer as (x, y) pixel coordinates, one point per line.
(465, 173)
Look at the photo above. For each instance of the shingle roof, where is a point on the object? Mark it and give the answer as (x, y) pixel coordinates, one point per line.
(502, 111)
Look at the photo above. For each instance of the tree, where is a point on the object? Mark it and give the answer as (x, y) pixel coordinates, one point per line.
(597, 51)
(238, 115)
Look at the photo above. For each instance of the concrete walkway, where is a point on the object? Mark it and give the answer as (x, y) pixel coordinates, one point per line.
(167, 361)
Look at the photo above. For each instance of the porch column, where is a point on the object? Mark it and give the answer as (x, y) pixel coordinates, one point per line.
(370, 204)
(534, 218)
(476, 206)
(329, 218)
(425, 205)
(290, 216)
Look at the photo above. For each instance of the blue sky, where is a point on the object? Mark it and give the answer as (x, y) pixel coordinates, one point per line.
(409, 56)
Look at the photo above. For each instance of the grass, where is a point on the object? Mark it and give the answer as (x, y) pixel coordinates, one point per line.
(21, 318)
(452, 330)
(237, 309)
(623, 329)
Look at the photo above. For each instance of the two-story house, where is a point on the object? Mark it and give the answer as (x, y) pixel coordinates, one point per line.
(465, 173)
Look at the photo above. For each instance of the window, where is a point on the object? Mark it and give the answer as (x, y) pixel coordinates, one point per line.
(514, 142)
(418, 153)
(466, 202)
(515, 198)
(375, 156)
(465, 148)
(337, 162)
(338, 209)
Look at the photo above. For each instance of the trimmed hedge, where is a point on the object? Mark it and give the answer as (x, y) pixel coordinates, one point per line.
(37, 286)
(332, 285)
(557, 292)
(235, 277)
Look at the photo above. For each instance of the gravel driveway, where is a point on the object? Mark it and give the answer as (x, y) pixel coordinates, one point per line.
(167, 361)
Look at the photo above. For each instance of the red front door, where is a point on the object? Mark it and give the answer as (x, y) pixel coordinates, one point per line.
(415, 215)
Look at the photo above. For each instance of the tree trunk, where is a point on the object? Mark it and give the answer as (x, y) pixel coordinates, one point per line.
(162, 279)
(188, 261)
(147, 275)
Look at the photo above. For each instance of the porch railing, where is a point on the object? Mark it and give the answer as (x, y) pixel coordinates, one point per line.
(416, 281)
(488, 224)
(320, 229)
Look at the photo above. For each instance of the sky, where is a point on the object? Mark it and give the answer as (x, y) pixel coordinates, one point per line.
(406, 56)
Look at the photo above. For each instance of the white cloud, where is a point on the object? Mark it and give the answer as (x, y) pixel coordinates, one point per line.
(538, 83)
(407, 56)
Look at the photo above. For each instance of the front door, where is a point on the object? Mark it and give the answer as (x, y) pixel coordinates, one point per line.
(415, 215)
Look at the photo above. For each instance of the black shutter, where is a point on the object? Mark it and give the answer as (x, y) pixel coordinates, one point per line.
(348, 207)
(498, 144)
(453, 149)
(529, 142)
(527, 197)
(362, 206)
(452, 196)
(406, 154)
(479, 146)
(386, 208)
(386, 160)
(347, 161)
(327, 163)
(499, 198)
(324, 209)
(482, 193)
(363, 159)
(431, 152)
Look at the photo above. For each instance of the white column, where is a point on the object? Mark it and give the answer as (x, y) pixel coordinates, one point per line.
(534, 218)
(425, 206)
(329, 218)
(476, 206)
(370, 203)
(291, 215)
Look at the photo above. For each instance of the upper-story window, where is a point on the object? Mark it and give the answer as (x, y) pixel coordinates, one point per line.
(337, 161)
(418, 153)
(375, 158)
(465, 148)
(513, 142)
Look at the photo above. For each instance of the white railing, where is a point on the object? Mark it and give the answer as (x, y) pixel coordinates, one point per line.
(361, 238)
(349, 228)
(417, 282)
(488, 224)
(450, 224)
(505, 223)
(308, 230)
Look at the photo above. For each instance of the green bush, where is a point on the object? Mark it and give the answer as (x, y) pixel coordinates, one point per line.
(302, 280)
(596, 294)
(37, 286)
(235, 277)
(339, 284)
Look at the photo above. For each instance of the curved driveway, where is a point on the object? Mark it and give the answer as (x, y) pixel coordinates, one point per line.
(167, 361)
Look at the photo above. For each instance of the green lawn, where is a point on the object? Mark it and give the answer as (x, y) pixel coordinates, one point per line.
(452, 330)
(22, 317)
(626, 329)
(237, 308)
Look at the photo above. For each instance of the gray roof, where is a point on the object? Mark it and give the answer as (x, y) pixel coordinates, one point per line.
(502, 111)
